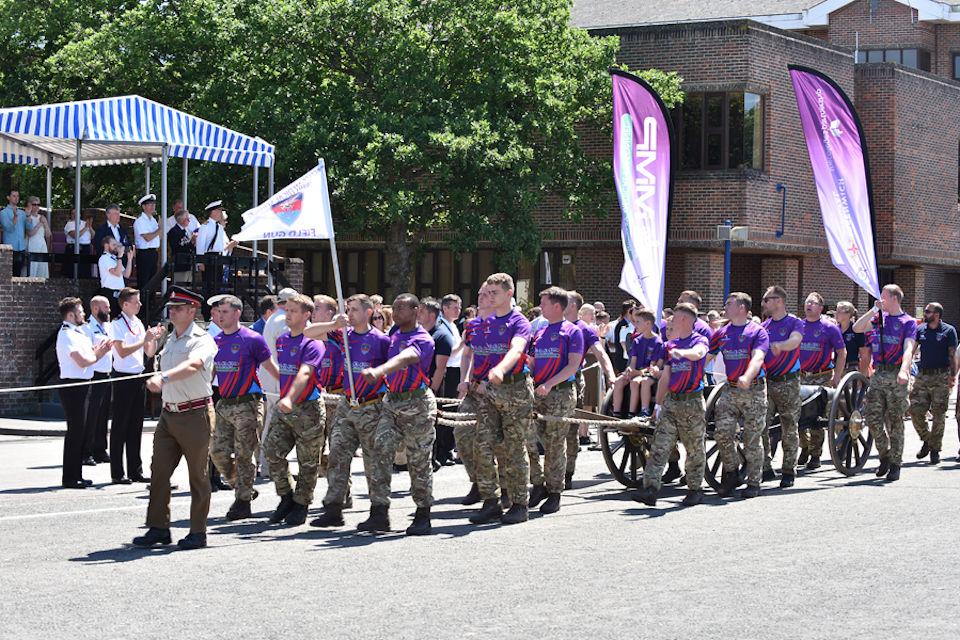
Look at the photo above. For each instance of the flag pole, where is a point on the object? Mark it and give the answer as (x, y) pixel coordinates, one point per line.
(336, 278)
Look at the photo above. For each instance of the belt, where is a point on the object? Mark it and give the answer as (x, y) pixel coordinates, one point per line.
(684, 397)
(516, 377)
(564, 384)
(933, 372)
(810, 374)
(247, 397)
(407, 395)
(756, 381)
(784, 377)
(189, 405)
(889, 368)
(370, 400)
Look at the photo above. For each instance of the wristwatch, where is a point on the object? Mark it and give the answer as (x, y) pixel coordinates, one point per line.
(165, 378)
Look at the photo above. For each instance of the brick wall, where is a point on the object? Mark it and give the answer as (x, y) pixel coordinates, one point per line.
(943, 286)
(28, 315)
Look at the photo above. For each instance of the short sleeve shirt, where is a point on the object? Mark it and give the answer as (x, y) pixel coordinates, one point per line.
(238, 356)
(70, 226)
(415, 375)
(779, 331)
(820, 340)
(73, 339)
(498, 333)
(854, 342)
(194, 343)
(896, 331)
(686, 376)
(551, 348)
(98, 331)
(145, 224)
(128, 331)
(699, 326)
(647, 351)
(292, 353)
(737, 345)
(106, 262)
(330, 373)
(366, 350)
(442, 345)
(935, 345)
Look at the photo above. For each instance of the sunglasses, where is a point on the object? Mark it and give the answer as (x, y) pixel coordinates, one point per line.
(378, 317)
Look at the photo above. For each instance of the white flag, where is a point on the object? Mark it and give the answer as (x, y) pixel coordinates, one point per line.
(301, 210)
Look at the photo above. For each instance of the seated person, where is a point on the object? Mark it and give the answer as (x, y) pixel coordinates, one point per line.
(646, 363)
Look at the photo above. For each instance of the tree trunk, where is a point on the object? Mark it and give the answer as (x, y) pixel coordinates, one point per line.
(398, 261)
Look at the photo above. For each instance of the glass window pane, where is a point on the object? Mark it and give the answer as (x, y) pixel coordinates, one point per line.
(875, 56)
(692, 131)
(892, 55)
(735, 118)
(714, 115)
(956, 65)
(353, 266)
(371, 271)
(861, 56)
(466, 269)
(444, 272)
(426, 268)
(753, 131)
(715, 151)
(910, 58)
(923, 60)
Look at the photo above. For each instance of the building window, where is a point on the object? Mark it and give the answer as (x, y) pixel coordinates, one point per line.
(956, 66)
(721, 131)
(913, 58)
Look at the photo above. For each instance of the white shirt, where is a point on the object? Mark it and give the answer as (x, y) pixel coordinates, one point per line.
(211, 238)
(272, 329)
(73, 339)
(454, 361)
(128, 331)
(107, 280)
(145, 224)
(194, 224)
(115, 230)
(98, 331)
(214, 330)
(70, 226)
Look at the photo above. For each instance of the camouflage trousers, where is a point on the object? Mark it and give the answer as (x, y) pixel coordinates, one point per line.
(503, 421)
(812, 439)
(465, 435)
(930, 393)
(885, 403)
(331, 411)
(553, 437)
(749, 406)
(411, 423)
(234, 444)
(302, 429)
(352, 427)
(679, 420)
(783, 397)
(573, 433)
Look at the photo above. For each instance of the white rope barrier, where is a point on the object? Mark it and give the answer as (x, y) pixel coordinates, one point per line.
(83, 383)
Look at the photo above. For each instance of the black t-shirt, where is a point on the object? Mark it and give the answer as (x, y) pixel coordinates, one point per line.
(620, 357)
(442, 344)
(854, 342)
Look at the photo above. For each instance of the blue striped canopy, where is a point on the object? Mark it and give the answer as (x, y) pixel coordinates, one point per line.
(120, 130)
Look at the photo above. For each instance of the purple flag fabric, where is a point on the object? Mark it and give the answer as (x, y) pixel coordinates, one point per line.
(838, 155)
(642, 171)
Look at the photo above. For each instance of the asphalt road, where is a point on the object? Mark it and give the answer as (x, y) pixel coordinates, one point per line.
(833, 557)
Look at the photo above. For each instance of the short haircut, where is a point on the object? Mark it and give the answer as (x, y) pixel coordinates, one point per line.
(686, 308)
(127, 293)
(816, 296)
(12, 189)
(113, 207)
(667, 313)
(646, 314)
(232, 301)
(408, 299)
(694, 297)
(99, 300)
(365, 301)
(535, 312)
(432, 305)
(937, 308)
(776, 290)
(847, 307)
(376, 299)
(602, 316)
(505, 280)
(183, 214)
(303, 301)
(743, 299)
(471, 310)
(68, 305)
(556, 295)
(576, 297)
(713, 315)
(450, 299)
(106, 239)
(267, 303)
(895, 291)
(326, 301)
(626, 306)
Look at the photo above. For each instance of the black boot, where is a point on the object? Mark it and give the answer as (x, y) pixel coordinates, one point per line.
(297, 515)
(518, 513)
(153, 536)
(489, 512)
(568, 481)
(934, 457)
(787, 480)
(768, 475)
(379, 520)
(552, 505)
(813, 462)
(751, 491)
(883, 468)
(804, 456)
(894, 474)
(646, 495)
(673, 472)
(505, 501)
(421, 523)
(286, 504)
(239, 510)
(728, 483)
(332, 516)
(924, 450)
(473, 496)
(537, 495)
(693, 497)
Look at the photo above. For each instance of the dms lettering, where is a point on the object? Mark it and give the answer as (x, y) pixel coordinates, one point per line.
(645, 182)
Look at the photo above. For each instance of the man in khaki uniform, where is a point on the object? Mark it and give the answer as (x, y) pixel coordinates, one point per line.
(186, 422)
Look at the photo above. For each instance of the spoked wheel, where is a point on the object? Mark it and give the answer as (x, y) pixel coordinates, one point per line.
(848, 438)
(624, 453)
(713, 472)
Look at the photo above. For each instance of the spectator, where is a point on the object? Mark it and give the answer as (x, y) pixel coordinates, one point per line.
(112, 228)
(599, 306)
(621, 336)
(469, 314)
(112, 272)
(450, 313)
(193, 225)
(180, 242)
(15, 226)
(39, 238)
(266, 308)
(382, 318)
(537, 321)
(146, 234)
(70, 259)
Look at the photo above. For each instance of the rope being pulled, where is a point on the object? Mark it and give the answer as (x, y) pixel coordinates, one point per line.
(462, 419)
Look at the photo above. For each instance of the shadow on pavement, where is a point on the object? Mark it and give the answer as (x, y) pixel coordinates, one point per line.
(125, 553)
(29, 490)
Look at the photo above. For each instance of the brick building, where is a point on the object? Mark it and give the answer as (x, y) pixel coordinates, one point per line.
(743, 157)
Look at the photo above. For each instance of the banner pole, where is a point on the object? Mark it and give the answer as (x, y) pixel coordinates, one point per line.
(336, 279)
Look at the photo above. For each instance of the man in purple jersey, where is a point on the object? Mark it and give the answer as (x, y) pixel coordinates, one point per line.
(504, 413)
(744, 345)
(298, 419)
(240, 408)
(782, 367)
(355, 423)
(408, 416)
(822, 344)
(594, 345)
(555, 352)
(893, 341)
(680, 409)
(330, 379)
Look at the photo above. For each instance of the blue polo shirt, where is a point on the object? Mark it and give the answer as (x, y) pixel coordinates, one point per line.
(935, 345)
(15, 234)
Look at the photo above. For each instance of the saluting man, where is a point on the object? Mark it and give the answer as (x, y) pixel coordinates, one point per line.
(937, 342)
(186, 422)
